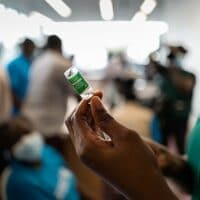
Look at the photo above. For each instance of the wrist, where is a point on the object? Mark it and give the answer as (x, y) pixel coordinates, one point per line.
(147, 188)
(173, 166)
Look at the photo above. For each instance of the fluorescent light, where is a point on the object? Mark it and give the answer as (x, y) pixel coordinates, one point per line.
(139, 17)
(148, 6)
(106, 9)
(60, 7)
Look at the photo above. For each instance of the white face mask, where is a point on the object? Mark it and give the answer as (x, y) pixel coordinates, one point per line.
(29, 148)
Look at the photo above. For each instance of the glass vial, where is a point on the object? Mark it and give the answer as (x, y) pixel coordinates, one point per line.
(78, 82)
(83, 88)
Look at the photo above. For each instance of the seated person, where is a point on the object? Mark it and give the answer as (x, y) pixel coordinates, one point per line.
(36, 170)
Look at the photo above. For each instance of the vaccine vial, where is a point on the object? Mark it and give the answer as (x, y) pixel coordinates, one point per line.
(83, 88)
(78, 82)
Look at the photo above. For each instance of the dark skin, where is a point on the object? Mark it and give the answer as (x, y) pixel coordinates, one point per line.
(126, 162)
(174, 167)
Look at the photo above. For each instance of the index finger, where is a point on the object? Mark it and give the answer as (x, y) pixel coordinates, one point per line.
(82, 128)
(105, 121)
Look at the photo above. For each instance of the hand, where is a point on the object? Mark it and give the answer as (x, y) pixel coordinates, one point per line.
(126, 162)
(173, 166)
(165, 159)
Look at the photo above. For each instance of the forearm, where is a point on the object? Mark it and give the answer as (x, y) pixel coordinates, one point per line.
(181, 172)
(174, 167)
(152, 187)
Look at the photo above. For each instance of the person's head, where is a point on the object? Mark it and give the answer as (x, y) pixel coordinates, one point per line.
(176, 55)
(18, 138)
(27, 47)
(110, 56)
(54, 43)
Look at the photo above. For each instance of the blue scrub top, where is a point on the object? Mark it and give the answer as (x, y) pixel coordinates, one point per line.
(18, 72)
(50, 181)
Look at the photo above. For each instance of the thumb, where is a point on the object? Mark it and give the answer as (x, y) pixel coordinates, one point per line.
(104, 120)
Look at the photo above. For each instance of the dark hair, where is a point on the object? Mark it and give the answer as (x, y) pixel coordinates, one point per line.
(26, 43)
(12, 131)
(53, 42)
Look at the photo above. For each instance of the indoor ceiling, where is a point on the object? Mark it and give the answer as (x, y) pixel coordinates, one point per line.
(82, 10)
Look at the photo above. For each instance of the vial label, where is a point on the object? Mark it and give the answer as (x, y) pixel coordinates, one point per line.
(79, 84)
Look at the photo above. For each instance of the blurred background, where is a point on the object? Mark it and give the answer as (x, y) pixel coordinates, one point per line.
(143, 55)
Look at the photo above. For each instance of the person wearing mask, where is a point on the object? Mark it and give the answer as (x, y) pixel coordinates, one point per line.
(36, 170)
(174, 104)
(134, 166)
(18, 72)
(46, 102)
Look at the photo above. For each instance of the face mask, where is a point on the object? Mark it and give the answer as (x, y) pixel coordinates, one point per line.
(29, 148)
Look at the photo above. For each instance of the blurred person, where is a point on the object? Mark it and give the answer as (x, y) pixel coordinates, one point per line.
(112, 71)
(119, 79)
(46, 102)
(36, 170)
(114, 66)
(175, 102)
(18, 71)
(139, 164)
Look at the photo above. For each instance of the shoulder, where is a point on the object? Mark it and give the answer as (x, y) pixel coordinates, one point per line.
(61, 61)
(51, 155)
(21, 185)
(61, 64)
(189, 76)
(13, 181)
(14, 63)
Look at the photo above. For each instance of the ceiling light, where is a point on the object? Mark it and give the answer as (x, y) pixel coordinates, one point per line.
(139, 17)
(148, 6)
(106, 9)
(60, 7)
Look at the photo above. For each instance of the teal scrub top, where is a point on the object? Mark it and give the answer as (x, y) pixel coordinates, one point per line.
(193, 152)
(52, 181)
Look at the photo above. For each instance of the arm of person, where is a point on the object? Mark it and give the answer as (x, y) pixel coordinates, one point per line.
(125, 162)
(161, 69)
(173, 166)
(14, 83)
(16, 101)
